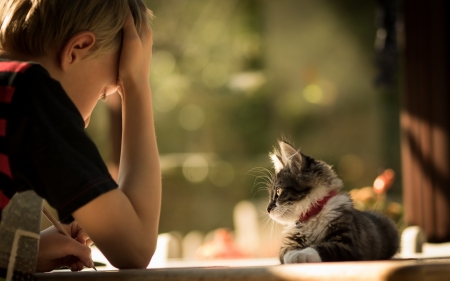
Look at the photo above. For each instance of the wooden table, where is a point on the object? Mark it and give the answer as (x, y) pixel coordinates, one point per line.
(398, 270)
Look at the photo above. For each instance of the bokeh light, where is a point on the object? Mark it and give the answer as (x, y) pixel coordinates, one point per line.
(222, 174)
(192, 117)
(313, 93)
(247, 82)
(195, 168)
(165, 99)
(163, 63)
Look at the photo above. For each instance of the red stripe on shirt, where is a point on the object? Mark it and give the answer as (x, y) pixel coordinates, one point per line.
(4, 165)
(6, 93)
(3, 200)
(2, 127)
(14, 66)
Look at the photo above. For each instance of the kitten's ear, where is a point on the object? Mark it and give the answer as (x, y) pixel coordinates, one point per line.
(291, 157)
(277, 165)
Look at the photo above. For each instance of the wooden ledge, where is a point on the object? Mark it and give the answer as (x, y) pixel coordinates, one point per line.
(409, 270)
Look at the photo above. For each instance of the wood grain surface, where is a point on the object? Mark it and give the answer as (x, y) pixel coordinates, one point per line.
(407, 270)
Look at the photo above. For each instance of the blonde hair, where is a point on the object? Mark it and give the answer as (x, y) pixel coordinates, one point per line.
(37, 27)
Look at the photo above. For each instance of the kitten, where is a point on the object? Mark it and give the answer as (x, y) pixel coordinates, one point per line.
(320, 223)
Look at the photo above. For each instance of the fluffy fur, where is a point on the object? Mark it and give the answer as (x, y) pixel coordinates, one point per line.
(338, 232)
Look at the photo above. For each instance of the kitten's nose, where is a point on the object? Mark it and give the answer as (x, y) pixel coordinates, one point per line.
(271, 206)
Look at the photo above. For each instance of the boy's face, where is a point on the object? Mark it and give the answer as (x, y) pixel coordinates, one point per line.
(93, 78)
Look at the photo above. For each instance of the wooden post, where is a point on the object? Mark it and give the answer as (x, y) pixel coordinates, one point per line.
(425, 117)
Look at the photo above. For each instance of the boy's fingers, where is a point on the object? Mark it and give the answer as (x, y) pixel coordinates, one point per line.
(147, 34)
(129, 21)
(129, 30)
(82, 237)
(89, 242)
(82, 252)
(80, 266)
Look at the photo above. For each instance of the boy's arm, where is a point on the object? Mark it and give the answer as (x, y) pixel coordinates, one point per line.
(123, 223)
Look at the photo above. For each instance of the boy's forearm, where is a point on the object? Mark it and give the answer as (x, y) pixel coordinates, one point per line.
(140, 173)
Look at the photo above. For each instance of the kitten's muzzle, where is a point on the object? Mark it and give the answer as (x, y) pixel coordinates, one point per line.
(271, 206)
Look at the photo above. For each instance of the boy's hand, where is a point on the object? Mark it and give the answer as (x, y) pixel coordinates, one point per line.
(57, 250)
(135, 56)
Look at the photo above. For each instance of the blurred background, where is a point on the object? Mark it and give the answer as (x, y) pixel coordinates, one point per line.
(229, 78)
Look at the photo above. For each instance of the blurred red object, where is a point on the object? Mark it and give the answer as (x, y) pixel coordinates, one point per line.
(221, 247)
(384, 181)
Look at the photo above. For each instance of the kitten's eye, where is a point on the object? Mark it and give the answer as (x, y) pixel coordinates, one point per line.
(279, 191)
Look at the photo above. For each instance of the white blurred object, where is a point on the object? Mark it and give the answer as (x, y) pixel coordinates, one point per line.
(414, 245)
(412, 240)
(191, 242)
(168, 247)
(255, 232)
(245, 218)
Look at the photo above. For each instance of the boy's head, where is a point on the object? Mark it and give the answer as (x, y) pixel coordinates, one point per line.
(36, 28)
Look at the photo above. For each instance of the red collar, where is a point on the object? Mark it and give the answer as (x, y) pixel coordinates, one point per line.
(317, 207)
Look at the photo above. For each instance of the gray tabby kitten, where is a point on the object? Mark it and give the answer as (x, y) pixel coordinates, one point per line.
(320, 223)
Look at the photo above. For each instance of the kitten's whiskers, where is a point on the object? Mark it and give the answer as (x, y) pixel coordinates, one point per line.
(263, 177)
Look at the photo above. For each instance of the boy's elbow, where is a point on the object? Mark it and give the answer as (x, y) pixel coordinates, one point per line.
(139, 259)
(146, 256)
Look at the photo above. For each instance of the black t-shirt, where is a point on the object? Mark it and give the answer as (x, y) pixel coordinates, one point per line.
(43, 145)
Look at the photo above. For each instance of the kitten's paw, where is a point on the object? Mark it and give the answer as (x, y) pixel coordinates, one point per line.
(305, 255)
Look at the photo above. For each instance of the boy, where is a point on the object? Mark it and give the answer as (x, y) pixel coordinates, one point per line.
(57, 58)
